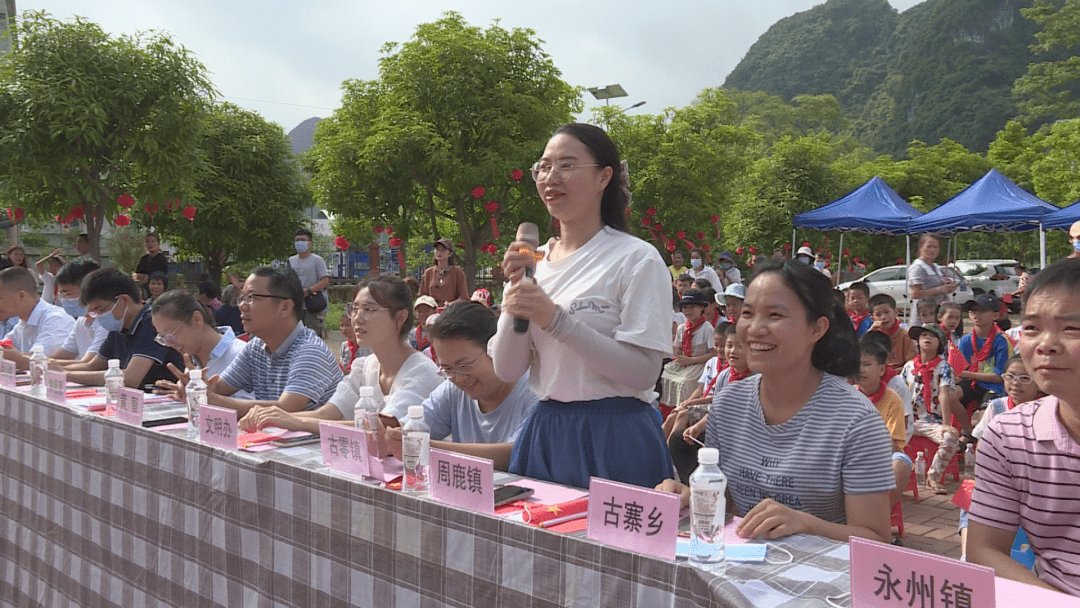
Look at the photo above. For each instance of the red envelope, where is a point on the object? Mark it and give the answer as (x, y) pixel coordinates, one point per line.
(962, 498)
(248, 439)
(957, 360)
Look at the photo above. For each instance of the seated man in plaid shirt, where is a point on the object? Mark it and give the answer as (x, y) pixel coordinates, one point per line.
(285, 364)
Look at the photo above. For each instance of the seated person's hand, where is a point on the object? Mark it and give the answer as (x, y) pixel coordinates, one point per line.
(681, 359)
(770, 519)
(676, 487)
(392, 436)
(260, 417)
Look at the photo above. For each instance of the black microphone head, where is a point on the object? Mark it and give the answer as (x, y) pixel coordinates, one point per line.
(527, 232)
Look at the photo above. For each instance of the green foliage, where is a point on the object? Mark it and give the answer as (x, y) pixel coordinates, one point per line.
(1049, 88)
(126, 246)
(86, 117)
(455, 108)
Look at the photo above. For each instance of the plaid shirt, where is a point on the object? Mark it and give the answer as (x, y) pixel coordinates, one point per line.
(302, 365)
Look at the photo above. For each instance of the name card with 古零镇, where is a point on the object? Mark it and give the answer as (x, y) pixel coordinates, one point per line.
(217, 427)
(129, 403)
(884, 576)
(7, 372)
(633, 518)
(348, 449)
(462, 481)
(56, 386)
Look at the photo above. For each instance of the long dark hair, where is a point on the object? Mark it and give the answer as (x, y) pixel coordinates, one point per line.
(393, 293)
(614, 201)
(837, 352)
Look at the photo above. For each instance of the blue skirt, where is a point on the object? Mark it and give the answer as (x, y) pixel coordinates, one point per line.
(617, 438)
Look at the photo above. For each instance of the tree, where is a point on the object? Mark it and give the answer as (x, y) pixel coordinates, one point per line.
(1048, 89)
(452, 124)
(86, 118)
(251, 194)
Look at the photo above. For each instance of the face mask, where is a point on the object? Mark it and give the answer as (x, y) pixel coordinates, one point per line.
(819, 265)
(111, 323)
(696, 263)
(71, 307)
(725, 265)
(301, 246)
(803, 259)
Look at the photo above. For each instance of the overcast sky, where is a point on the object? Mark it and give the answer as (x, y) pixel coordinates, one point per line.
(287, 60)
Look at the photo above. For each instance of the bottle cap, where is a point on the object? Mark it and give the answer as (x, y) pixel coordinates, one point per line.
(114, 364)
(708, 456)
(416, 411)
(195, 374)
(919, 455)
(367, 391)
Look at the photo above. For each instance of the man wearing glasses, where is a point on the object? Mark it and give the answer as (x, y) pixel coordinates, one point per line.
(114, 302)
(285, 363)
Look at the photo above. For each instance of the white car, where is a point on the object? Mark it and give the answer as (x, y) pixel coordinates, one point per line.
(892, 280)
(998, 277)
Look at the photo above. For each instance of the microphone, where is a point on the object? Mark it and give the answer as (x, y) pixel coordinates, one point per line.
(528, 238)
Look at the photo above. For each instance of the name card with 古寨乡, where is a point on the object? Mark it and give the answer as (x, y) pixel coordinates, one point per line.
(7, 373)
(129, 403)
(633, 518)
(347, 449)
(885, 576)
(56, 386)
(217, 427)
(463, 481)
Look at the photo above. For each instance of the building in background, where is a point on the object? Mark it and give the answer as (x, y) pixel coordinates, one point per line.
(7, 16)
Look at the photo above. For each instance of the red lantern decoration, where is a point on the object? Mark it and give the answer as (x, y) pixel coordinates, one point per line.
(805, 244)
(491, 207)
(856, 260)
(787, 246)
(645, 221)
(341, 243)
(125, 200)
(738, 251)
(389, 230)
(19, 214)
(700, 236)
(753, 249)
(658, 226)
(517, 174)
(680, 234)
(189, 213)
(651, 211)
(706, 247)
(378, 229)
(77, 213)
(478, 192)
(122, 220)
(671, 247)
(899, 260)
(395, 242)
(826, 239)
(715, 219)
(847, 252)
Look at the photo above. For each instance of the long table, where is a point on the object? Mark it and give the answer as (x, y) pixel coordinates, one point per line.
(95, 512)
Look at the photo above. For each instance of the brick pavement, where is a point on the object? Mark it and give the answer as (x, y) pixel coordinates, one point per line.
(930, 524)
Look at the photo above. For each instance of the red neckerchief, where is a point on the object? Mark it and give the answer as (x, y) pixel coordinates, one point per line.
(737, 375)
(352, 354)
(733, 376)
(890, 373)
(926, 370)
(895, 328)
(1009, 404)
(876, 397)
(715, 320)
(688, 336)
(858, 318)
(983, 353)
(421, 341)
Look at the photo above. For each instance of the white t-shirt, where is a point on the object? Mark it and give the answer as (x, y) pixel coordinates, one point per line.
(48, 285)
(85, 338)
(414, 382)
(619, 286)
(702, 336)
(709, 275)
(453, 414)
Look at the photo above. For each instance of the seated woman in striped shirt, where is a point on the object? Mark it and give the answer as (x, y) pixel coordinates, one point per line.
(1026, 471)
(803, 450)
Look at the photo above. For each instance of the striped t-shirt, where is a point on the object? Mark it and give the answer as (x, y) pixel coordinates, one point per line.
(1026, 475)
(836, 444)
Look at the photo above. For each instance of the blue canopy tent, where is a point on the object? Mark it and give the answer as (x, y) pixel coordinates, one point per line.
(873, 208)
(991, 204)
(1062, 218)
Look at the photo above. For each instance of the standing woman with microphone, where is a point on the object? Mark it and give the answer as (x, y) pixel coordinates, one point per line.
(598, 313)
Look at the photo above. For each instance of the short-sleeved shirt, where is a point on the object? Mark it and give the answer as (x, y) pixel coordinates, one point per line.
(301, 365)
(942, 373)
(85, 337)
(452, 286)
(837, 444)
(47, 325)
(1000, 352)
(417, 377)
(926, 276)
(892, 413)
(1026, 476)
(310, 270)
(453, 414)
(138, 341)
(149, 264)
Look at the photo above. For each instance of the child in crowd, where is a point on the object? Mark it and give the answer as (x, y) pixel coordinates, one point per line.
(927, 308)
(1026, 476)
(712, 306)
(350, 351)
(871, 382)
(693, 407)
(677, 317)
(425, 307)
(684, 283)
(894, 380)
(951, 318)
(734, 295)
(702, 285)
(855, 303)
(691, 350)
(47, 267)
(887, 321)
(933, 399)
(986, 350)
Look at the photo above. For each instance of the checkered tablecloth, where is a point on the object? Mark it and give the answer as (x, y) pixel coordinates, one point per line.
(95, 512)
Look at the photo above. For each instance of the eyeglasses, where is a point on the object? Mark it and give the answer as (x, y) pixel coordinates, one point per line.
(93, 314)
(1015, 378)
(361, 313)
(168, 340)
(460, 370)
(250, 298)
(542, 171)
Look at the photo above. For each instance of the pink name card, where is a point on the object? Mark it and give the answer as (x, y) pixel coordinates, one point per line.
(348, 449)
(7, 372)
(217, 427)
(633, 518)
(129, 403)
(463, 481)
(886, 576)
(56, 386)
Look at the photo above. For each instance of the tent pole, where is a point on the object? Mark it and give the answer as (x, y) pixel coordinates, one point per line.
(907, 259)
(840, 261)
(1042, 245)
(793, 242)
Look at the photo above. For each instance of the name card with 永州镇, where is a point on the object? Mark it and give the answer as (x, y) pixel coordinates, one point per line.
(633, 518)
(129, 404)
(883, 576)
(462, 481)
(217, 427)
(7, 373)
(348, 449)
(56, 386)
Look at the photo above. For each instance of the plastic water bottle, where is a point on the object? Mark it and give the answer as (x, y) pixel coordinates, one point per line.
(415, 443)
(969, 461)
(114, 379)
(920, 469)
(366, 408)
(196, 398)
(707, 510)
(38, 364)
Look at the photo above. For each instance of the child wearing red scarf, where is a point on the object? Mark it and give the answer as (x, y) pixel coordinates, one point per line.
(933, 398)
(872, 383)
(887, 321)
(855, 303)
(986, 350)
(691, 350)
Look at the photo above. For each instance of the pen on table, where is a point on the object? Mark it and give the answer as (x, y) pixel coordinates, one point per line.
(560, 520)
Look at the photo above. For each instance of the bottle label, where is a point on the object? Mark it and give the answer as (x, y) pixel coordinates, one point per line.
(112, 384)
(707, 512)
(414, 447)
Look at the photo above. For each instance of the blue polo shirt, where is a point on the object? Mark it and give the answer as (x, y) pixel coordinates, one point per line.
(138, 341)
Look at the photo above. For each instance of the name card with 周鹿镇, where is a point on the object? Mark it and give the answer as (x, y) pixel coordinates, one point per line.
(463, 481)
(633, 518)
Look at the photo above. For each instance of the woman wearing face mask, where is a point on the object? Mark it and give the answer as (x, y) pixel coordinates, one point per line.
(699, 270)
(86, 337)
(820, 263)
(445, 281)
(729, 272)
